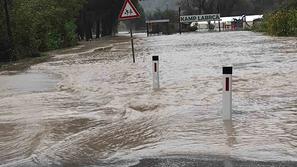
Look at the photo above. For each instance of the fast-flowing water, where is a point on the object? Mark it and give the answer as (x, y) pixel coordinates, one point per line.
(98, 108)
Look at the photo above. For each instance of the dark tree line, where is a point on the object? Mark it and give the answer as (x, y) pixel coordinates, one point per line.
(6, 39)
(230, 7)
(100, 17)
(28, 27)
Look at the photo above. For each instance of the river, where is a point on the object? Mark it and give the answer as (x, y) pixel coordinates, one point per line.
(97, 108)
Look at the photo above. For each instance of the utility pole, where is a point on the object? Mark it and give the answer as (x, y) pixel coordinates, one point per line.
(8, 28)
(179, 23)
(219, 11)
(200, 7)
(167, 8)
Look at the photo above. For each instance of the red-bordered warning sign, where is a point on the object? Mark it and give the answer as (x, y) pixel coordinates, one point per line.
(128, 11)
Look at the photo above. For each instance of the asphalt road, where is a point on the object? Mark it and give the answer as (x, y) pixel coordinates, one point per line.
(196, 162)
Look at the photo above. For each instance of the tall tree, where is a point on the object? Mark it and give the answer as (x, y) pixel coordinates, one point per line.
(9, 32)
(101, 16)
(229, 7)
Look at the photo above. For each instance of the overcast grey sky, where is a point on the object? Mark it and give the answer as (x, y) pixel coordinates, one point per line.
(151, 5)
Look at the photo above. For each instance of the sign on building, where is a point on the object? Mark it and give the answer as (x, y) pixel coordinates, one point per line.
(200, 18)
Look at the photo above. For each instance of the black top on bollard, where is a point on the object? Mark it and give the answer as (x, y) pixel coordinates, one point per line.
(227, 70)
(155, 58)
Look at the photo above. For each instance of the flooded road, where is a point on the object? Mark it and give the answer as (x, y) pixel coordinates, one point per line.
(98, 108)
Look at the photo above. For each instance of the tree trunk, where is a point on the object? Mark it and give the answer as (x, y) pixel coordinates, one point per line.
(87, 26)
(98, 28)
(106, 26)
(90, 33)
(9, 32)
(80, 27)
(200, 7)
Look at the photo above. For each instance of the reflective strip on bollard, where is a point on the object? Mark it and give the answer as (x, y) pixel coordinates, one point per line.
(227, 84)
(156, 73)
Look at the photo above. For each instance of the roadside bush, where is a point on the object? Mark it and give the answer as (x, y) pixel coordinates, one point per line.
(39, 25)
(53, 41)
(280, 23)
(70, 38)
(293, 22)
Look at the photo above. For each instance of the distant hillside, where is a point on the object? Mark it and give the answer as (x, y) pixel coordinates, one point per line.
(152, 5)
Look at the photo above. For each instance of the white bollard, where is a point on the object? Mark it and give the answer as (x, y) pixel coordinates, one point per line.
(156, 73)
(227, 93)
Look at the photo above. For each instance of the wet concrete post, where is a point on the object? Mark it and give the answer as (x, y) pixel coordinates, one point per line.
(227, 93)
(219, 26)
(156, 73)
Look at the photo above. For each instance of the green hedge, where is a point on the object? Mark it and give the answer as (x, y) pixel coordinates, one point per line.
(39, 25)
(280, 23)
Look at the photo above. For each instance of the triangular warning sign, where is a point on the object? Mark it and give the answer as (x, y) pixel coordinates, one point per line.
(128, 11)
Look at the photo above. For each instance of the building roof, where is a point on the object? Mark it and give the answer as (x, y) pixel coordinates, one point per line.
(158, 21)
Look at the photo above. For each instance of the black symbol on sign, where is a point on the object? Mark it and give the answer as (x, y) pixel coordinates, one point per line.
(128, 12)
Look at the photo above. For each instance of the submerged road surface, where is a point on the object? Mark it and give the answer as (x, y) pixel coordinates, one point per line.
(97, 108)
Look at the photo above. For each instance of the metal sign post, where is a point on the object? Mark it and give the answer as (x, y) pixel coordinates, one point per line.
(129, 12)
(132, 43)
(179, 23)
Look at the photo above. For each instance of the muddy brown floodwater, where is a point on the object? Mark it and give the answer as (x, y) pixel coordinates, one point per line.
(97, 108)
